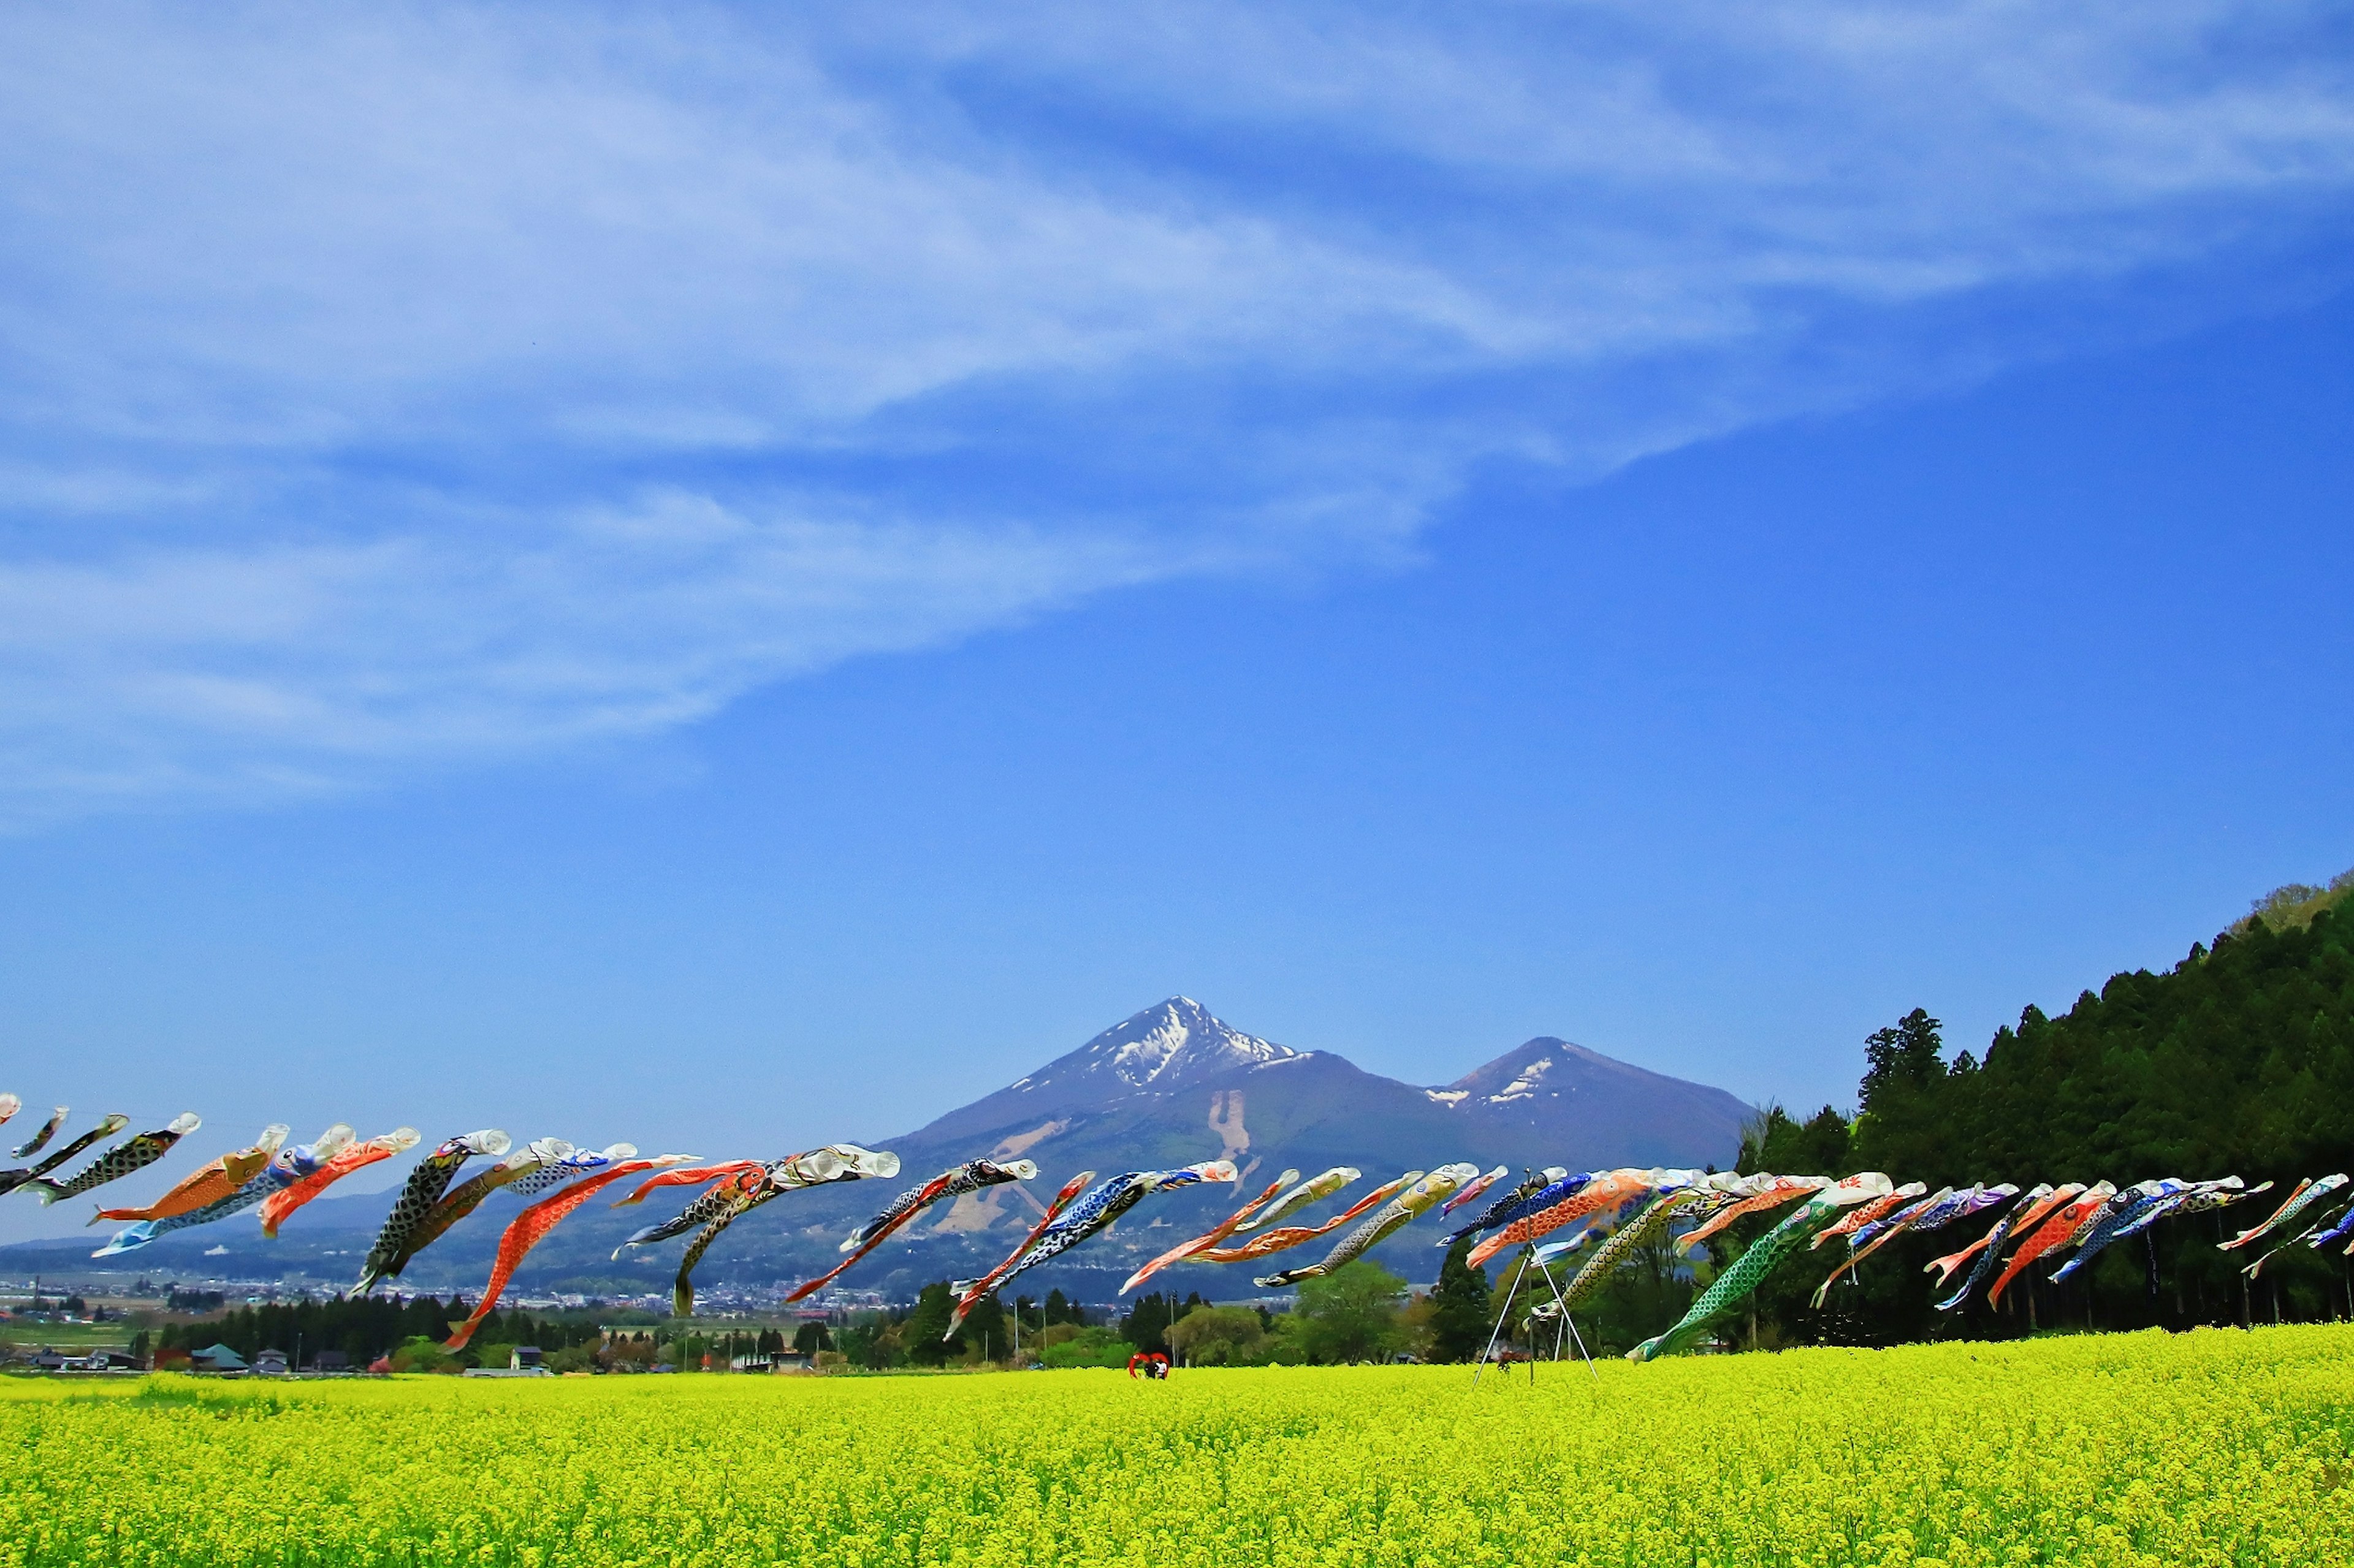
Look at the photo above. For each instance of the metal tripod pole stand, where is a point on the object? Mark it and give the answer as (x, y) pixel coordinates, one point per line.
(1569, 1323)
(1510, 1291)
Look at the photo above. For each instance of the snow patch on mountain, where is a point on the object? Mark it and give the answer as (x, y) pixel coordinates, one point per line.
(1524, 1086)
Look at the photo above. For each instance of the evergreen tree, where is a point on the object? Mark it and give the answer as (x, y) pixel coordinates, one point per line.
(922, 1336)
(1146, 1326)
(1462, 1315)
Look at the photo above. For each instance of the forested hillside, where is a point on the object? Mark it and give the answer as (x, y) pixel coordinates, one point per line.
(2239, 1059)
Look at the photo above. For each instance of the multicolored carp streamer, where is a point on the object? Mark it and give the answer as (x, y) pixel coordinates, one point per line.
(1401, 1210)
(526, 1229)
(817, 1167)
(466, 1196)
(1314, 1189)
(1903, 1218)
(1752, 1266)
(2067, 1221)
(133, 1154)
(2329, 1218)
(1605, 1190)
(1989, 1248)
(972, 1176)
(1473, 1189)
(287, 1167)
(2040, 1201)
(12, 1179)
(2335, 1233)
(706, 1206)
(1930, 1213)
(1211, 1237)
(2308, 1193)
(427, 1182)
(1110, 1198)
(969, 1292)
(2139, 1201)
(2202, 1198)
(573, 1162)
(1865, 1240)
(745, 1189)
(39, 1141)
(1776, 1191)
(1647, 1227)
(1541, 1190)
(350, 1158)
(210, 1182)
(1879, 1208)
(1266, 1244)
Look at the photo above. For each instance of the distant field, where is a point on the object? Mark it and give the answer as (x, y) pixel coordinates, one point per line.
(65, 1336)
(2213, 1448)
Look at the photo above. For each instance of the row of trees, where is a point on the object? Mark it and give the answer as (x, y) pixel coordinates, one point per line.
(2238, 1060)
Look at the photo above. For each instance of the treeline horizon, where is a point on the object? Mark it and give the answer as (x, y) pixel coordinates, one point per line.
(2239, 1061)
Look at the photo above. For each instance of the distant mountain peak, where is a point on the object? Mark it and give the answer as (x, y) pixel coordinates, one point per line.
(1165, 1047)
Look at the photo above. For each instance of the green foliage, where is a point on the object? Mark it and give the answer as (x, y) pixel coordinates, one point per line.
(2293, 906)
(1090, 1347)
(423, 1354)
(1219, 1337)
(924, 1338)
(1351, 1314)
(1774, 1141)
(809, 1339)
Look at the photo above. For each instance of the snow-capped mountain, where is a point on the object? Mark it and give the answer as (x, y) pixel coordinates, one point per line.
(1171, 1046)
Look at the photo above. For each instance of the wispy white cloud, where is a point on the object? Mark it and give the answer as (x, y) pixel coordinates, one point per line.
(401, 386)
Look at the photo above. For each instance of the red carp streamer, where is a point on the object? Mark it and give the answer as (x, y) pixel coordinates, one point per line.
(527, 1229)
(1226, 1228)
(2023, 1225)
(383, 1146)
(1275, 1241)
(686, 1178)
(2057, 1231)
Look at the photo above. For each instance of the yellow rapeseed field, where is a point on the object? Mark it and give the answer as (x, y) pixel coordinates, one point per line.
(2211, 1447)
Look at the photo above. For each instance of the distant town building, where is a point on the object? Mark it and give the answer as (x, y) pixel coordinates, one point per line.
(269, 1364)
(215, 1359)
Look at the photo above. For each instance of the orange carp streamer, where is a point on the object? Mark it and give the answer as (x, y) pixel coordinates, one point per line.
(686, 1178)
(209, 1184)
(527, 1229)
(1783, 1190)
(2041, 1202)
(2057, 1231)
(354, 1157)
(1202, 1243)
(1604, 1191)
(1275, 1241)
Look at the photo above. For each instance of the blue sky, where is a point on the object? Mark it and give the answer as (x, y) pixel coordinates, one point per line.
(739, 579)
